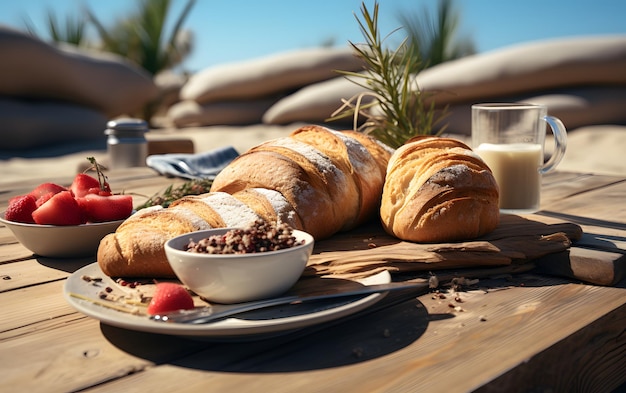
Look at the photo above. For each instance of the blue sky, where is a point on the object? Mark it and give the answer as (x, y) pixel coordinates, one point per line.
(234, 30)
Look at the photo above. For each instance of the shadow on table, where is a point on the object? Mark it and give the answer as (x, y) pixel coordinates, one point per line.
(343, 342)
(583, 220)
(387, 327)
(69, 265)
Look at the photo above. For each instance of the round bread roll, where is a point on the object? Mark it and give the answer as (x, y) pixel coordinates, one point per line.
(438, 190)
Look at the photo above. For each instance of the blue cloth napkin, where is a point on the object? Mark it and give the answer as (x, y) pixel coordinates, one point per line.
(204, 165)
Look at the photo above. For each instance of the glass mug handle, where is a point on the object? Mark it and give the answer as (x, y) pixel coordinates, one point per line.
(560, 143)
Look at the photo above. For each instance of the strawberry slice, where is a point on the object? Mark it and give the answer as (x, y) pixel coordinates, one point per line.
(84, 184)
(169, 297)
(97, 190)
(100, 208)
(61, 209)
(44, 198)
(46, 189)
(21, 209)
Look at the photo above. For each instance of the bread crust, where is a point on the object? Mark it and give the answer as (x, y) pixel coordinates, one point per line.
(438, 190)
(354, 158)
(136, 247)
(270, 205)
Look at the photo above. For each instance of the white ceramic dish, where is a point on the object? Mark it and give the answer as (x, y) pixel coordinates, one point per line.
(252, 325)
(236, 278)
(57, 241)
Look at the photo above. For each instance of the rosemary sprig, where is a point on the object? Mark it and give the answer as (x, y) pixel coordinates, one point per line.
(171, 193)
(399, 109)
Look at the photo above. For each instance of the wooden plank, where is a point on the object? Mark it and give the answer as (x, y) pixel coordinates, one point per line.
(66, 353)
(168, 145)
(588, 265)
(424, 344)
(29, 272)
(26, 306)
(558, 186)
(54, 344)
(598, 256)
(11, 249)
(584, 371)
(516, 239)
(599, 206)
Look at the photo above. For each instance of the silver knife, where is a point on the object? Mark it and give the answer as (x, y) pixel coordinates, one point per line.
(217, 311)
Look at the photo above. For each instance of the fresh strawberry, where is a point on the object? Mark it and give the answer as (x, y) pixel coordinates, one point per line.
(44, 198)
(61, 209)
(169, 297)
(98, 191)
(98, 208)
(14, 199)
(84, 184)
(45, 189)
(21, 209)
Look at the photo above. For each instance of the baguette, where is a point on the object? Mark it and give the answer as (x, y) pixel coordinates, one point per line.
(438, 190)
(318, 180)
(332, 180)
(319, 192)
(352, 152)
(136, 247)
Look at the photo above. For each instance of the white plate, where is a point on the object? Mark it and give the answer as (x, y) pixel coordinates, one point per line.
(262, 322)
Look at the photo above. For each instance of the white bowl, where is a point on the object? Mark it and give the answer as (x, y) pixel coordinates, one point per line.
(60, 241)
(236, 278)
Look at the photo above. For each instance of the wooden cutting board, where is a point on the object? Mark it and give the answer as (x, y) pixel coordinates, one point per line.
(517, 240)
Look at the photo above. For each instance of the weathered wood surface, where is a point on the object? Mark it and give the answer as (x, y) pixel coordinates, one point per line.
(599, 207)
(521, 332)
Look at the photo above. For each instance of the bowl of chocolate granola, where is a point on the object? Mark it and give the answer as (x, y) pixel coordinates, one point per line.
(233, 265)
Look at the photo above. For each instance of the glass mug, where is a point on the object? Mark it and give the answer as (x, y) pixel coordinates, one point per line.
(510, 138)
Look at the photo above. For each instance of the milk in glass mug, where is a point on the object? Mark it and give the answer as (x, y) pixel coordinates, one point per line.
(510, 138)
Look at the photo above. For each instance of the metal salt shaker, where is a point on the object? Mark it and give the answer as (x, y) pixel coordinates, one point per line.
(126, 143)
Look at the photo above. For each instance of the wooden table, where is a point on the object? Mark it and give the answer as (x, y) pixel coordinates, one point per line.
(525, 332)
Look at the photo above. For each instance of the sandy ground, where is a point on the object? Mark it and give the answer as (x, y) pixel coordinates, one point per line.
(598, 149)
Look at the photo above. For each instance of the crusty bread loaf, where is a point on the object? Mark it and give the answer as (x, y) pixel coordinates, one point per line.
(317, 180)
(137, 245)
(438, 190)
(270, 205)
(379, 150)
(319, 192)
(352, 152)
(330, 178)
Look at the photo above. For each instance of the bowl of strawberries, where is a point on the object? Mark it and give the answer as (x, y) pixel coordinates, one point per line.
(65, 222)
